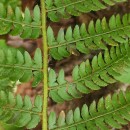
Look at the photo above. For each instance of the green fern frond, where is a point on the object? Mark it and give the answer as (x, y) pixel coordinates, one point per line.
(125, 77)
(17, 23)
(14, 110)
(6, 85)
(88, 76)
(113, 111)
(58, 9)
(13, 3)
(114, 32)
(16, 66)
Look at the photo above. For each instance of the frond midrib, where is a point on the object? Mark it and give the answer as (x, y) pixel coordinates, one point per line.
(20, 23)
(65, 6)
(90, 75)
(21, 110)
(20, 67)
(93, 118)
(88, 37)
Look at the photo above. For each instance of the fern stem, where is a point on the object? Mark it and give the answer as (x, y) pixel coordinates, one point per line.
(45, 66)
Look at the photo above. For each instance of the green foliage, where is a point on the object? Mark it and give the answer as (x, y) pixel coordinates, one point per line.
(112, 64)
(5, 83)
(58, 9)
(16, 23)
(14, 110)
(4, 126)
(125, 76)
(111, 33)
(13, 3)
(113, 111)
(16, 66)
(88, 76)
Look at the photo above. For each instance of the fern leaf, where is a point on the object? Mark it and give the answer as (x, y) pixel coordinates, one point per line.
(17, 23)
(113, 111)
(58, 9)
(5, 83)
(13, 3)
(125, 77)
(16, 66)
(14, 110)
(111, 33)
(89, 76)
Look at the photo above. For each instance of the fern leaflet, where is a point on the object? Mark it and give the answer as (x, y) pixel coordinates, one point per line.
(14, 110)
(58, 9)
(103, 70)
(13, 3)
(112, 111)
(15, 23)
(112, 33)
(15, 66)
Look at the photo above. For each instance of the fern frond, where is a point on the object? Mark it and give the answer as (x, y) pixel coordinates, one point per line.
(113, 111)
(6, 85)
(17, 66)
(88, 76)
(114, 32)
(17, 23)
(13, 3)
(125, 76)
(58, 9)
(14, 110)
